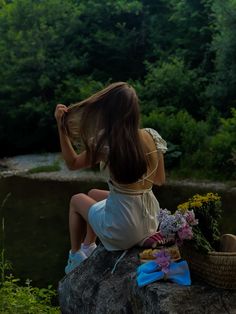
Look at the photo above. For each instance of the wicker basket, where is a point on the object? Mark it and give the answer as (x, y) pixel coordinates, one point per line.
(216, 268)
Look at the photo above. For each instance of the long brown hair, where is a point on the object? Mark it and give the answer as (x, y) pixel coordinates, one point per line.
(110, 118)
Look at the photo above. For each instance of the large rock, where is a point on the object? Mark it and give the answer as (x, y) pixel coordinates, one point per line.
(92, 288)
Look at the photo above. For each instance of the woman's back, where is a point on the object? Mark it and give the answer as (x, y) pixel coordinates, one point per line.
(151, 153)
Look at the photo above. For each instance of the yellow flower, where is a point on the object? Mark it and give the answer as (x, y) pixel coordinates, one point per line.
(183, 207)
(213, 197)
(196, 204)
(199, 200)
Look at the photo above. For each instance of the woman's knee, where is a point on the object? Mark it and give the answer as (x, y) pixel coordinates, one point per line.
(75, 199)
(80, 203)
(93, 193)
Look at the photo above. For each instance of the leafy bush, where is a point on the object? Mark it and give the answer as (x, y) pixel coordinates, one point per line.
(202, 149)
(171, 84)
(222, 148)
(184, 135)
(25, 299)
(76, 88)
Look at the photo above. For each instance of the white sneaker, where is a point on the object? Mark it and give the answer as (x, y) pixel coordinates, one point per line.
(88, 250)
(74, 260)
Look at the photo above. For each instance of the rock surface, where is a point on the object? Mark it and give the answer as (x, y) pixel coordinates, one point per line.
(92, 288)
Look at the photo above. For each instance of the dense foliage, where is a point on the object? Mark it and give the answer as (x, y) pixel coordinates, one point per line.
(179, 55)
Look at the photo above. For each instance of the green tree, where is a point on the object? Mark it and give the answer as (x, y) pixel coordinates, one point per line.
(47, 48)
(223, 86)
(192, 21)
(157, 30)
(111, 37)
(179, 35)
(35, 54)
(180, 28)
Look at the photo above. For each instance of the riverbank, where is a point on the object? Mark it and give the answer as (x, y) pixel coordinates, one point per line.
(41, 166)
(24, 166)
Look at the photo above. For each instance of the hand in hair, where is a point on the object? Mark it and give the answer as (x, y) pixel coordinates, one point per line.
(59, 112)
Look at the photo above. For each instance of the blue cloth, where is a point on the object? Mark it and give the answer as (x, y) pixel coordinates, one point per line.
(150, 272)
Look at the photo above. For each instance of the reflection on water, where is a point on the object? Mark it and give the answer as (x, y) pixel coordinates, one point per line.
(36, 226)
(36, 222)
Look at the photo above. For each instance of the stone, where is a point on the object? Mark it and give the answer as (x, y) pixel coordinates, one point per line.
(93, 288)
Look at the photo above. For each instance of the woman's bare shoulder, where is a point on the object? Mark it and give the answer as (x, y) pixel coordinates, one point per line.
(146, 139)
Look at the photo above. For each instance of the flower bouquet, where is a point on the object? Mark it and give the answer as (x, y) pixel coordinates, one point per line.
(173, 230)
(177, 227)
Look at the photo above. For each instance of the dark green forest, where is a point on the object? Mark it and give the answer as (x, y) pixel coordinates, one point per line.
(180, 55)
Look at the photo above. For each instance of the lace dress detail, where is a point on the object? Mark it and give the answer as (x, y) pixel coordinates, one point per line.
(161, 145)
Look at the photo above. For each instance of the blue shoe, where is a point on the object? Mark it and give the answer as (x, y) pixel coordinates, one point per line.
(74, 260)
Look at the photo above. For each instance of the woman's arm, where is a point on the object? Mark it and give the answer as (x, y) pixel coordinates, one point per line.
(160, 177)
(72, 159)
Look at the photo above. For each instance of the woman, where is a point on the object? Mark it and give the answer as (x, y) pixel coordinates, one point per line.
(107, 124)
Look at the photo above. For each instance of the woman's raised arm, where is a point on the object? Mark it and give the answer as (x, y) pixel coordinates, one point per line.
(73, 160)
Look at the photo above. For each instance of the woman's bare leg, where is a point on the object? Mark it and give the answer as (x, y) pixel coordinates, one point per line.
(98, 195)
(78, 217)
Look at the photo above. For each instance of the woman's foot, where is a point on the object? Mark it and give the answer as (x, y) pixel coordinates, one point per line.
(88, 249)
(74, 260)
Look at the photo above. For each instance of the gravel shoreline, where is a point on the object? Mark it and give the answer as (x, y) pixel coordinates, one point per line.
(20, 166)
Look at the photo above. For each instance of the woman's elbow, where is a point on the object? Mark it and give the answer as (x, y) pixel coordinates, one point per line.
(160, 180)
(71, 165)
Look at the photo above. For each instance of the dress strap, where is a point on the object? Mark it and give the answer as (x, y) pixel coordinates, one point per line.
(148, 175)
(124, 190)
(154, 151)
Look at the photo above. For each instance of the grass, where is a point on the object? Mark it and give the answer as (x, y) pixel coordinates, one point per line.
(47, 168)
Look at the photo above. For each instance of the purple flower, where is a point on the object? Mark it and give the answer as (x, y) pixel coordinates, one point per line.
(163, 214)
(190, 218)
(180, 219)
(177, 226)
(185, 233)
(163, 258)
(170, 224)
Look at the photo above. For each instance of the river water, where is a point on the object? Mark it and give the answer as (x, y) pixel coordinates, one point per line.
(36, 237)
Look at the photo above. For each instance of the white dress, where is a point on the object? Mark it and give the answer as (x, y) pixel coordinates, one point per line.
(126, 217)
